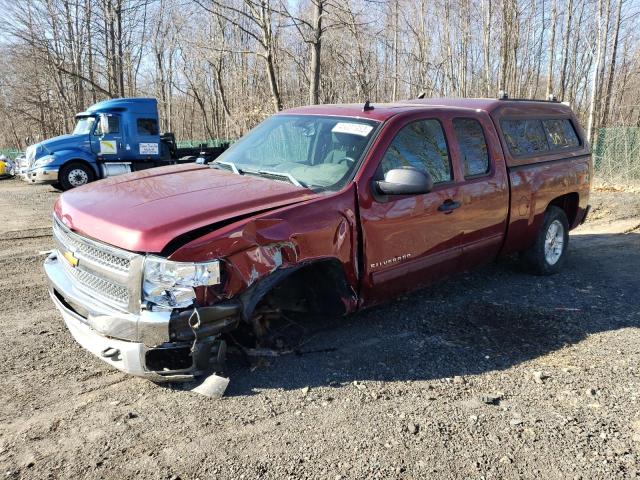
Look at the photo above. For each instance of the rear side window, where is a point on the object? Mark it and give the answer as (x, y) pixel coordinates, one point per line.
(473, 146)
(147, 126)
(525, 136)
(561, 133)
(422, 145)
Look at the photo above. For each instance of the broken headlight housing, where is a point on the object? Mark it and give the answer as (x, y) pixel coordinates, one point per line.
(170, 284)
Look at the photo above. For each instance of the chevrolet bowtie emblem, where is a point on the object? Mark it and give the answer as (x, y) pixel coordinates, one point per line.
(70, 258)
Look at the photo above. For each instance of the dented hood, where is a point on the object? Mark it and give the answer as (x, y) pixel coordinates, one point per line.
(144, 211)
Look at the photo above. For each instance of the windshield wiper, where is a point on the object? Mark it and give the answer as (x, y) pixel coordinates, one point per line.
(233, 167)
(286, 175)
(266, 173)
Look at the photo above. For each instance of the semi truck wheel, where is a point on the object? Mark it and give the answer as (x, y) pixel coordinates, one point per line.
(548, 253)
(74, 175)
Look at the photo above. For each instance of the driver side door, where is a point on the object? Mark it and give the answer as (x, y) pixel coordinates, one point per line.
(108, 142)
(410, 240)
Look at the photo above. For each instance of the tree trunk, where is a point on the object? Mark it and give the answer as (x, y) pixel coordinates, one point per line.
(565, 49)
(594, 79)
(394, 93)
(612, 65)
(316, 49)
(486, 45)
(552, 50)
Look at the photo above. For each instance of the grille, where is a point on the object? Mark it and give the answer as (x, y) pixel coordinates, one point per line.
(103, 289)
(109, 274)
(91, 251)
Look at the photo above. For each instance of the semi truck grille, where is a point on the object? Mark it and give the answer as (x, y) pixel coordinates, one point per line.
(109, 274)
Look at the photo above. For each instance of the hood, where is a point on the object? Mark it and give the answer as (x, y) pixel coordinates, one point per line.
(144, 211)
(62, 142)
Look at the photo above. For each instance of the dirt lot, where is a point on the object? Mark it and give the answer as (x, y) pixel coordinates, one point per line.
(494, 374)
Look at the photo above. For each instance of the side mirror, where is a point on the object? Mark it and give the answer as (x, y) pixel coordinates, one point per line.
(405, 181)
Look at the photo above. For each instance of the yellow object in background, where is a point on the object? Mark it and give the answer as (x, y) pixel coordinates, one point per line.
(3, 167)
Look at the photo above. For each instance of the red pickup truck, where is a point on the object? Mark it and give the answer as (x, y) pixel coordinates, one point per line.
(327, 209)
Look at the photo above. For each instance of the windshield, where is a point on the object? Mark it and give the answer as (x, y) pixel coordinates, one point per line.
(307, 150)
(84, 125)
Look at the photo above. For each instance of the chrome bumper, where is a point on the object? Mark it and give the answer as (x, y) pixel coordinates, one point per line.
(149, 328)
(41, 175)
(103, 330)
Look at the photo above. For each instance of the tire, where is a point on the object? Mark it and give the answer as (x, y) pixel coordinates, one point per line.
(548, 254)
(74, 174)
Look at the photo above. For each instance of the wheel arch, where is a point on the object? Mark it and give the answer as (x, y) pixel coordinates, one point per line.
(77, 156)
(569, 203)
(92, 166)
(322, 282)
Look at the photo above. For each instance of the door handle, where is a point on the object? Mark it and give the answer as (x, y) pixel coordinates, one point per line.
(449, 206)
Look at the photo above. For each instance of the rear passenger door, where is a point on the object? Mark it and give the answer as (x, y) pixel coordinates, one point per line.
(409, 240)
(483, 188)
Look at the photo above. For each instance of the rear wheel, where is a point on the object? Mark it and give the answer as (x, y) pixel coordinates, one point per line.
(74, 175)
(548, 253)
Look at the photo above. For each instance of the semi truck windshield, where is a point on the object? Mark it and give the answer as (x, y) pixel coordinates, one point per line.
(84, 125)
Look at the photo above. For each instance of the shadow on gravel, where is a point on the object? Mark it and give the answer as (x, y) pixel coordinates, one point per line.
(487, 320)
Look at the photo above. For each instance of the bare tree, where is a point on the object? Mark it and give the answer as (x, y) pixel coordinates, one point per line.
(218, 67)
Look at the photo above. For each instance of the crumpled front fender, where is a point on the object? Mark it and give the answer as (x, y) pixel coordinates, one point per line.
(281, 240)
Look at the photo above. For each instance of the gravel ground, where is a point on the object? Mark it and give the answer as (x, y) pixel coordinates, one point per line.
(493, 374)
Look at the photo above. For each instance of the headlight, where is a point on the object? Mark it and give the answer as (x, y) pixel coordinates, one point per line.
(171, 284)
(46, 160)
(30, 152)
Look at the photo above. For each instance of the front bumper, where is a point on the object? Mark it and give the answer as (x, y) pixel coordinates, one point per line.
(126, 341)
(40, 175)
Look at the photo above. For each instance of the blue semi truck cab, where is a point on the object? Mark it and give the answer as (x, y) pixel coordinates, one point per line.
(110, 138)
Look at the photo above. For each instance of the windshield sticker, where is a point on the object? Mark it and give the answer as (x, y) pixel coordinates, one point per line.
(352, 128)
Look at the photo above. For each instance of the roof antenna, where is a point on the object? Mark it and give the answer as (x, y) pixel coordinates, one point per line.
(422, 95)
(367, 107)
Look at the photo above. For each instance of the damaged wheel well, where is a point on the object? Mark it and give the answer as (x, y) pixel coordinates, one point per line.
(319, 287)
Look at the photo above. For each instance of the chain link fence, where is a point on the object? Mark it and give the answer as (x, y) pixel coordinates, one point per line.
(616, 154)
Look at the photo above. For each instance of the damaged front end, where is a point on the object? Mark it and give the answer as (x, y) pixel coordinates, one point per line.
(165, 317)
(136, 312)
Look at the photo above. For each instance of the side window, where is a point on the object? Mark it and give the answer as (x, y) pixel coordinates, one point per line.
(109, 124)
(147, 126)
(525, 137)
(561, 133)
(473, 146)
(422, 145)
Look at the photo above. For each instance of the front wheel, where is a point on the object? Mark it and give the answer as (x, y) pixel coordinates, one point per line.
(74, 175)
(548, 253)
